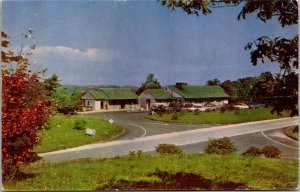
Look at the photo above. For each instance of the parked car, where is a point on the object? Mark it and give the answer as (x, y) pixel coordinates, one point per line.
(195, 108)
(242, 106)
(210, 106)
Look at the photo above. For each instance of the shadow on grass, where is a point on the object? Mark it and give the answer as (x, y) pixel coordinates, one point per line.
(170, 181)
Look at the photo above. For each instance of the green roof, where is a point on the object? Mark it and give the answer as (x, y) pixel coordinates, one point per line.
(200, 92)
(98, 94)
(159, 94)
(119, 93)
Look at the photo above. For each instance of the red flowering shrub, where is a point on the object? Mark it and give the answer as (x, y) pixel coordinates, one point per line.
(25, 109)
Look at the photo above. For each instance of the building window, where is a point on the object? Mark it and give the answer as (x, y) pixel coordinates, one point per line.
(88, 103)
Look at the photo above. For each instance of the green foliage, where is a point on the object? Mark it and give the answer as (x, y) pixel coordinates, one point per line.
(213, 82)
(253, 151)
(67, 102)
(227, 107)
(271, 152)
(134, 154)
(176, 106)
(280, 93)
(52, 83)
(222, 146)
(150, 83)
(80, 124)
(168, 149)
(175, 116)
(240, 89)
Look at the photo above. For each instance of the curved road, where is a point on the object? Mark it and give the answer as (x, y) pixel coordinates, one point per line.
(137, 126)
(145, 135)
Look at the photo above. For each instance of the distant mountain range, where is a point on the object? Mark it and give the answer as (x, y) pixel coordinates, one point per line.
(82, 88)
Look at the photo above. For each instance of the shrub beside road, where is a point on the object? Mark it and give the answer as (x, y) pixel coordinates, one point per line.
(218, 117)
(69, 131)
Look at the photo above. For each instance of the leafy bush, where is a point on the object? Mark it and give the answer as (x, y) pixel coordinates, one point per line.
(175, 116)
(139, 153)
(220, 146)
(271, 152)
(227, 107)
(176, 107)
(132, 154)
(168, 149)
(67, 110)
(26, 108)
(80, 124)
(252, 151)
(196, 112)
(188, 105)
(222, 109)
(208, 110)
(159, 109)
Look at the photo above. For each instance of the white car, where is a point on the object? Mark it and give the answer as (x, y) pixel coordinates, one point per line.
(194, 108)
(242, 106)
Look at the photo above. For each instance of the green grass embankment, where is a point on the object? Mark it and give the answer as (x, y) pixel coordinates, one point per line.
(62, 135)
(189, 172)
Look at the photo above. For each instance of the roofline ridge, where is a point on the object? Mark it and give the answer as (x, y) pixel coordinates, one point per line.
(89, 91)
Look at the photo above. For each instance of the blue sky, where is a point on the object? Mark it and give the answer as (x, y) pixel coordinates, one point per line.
(121, 42)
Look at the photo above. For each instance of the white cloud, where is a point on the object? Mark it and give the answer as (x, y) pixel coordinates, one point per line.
(67, 53)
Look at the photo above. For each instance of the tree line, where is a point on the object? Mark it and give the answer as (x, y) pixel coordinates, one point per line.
(248, 89)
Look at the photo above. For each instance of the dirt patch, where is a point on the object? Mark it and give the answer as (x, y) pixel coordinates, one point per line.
(173, 181)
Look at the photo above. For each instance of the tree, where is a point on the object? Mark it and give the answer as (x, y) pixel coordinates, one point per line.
(228, 87)
(239, 90)
(52, 83)
(75, 98)
(279, 50)
(25, 109)
(213, 82)
(151, 83)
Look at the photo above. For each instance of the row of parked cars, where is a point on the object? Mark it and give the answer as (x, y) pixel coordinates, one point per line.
(207, 106)
(199, 107)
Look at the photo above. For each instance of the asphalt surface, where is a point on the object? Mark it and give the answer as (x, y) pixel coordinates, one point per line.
(137, 126)
(277, 138)
(145, 135)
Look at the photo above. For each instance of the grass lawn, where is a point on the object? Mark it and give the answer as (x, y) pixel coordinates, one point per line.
(216, 117)
(66, 136)
(192, 171)
(290, 131)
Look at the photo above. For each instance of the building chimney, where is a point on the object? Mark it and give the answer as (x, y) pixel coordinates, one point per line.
(179, 85)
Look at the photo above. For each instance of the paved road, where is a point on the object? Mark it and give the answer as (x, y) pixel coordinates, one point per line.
(275, 137)
(190, 140)
(137, 126)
